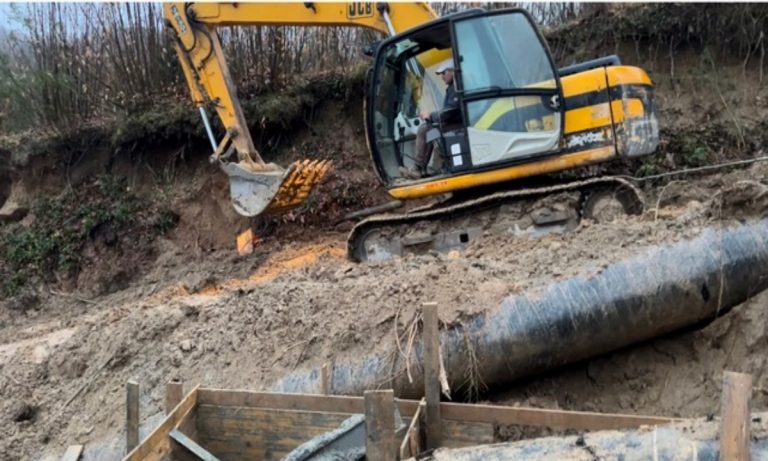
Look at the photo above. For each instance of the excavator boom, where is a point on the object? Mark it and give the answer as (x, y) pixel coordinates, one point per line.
(257, 187)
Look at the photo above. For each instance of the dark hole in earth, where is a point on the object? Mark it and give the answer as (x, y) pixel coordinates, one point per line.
(705, 292)
(25, 413)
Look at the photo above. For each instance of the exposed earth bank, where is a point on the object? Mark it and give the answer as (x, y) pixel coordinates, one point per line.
(66, 359)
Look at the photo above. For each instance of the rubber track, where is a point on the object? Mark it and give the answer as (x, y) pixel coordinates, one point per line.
(362, 229)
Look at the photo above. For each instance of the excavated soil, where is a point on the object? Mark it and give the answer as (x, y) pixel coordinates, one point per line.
(233, 322)
(191, 310)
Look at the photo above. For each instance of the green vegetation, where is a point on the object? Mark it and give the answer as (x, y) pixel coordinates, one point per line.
(270, 114)
(68, 65)
(103, 209)
(693, 151)
(705, 145)
(662, 29)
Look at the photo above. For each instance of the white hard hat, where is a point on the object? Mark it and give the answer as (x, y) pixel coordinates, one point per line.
(445, 65)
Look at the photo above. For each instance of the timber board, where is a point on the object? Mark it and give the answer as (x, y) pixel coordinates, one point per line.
(538, 417)
(301, 402)
(459, 434)
(156, 446)
(262, 425)
(231, 433)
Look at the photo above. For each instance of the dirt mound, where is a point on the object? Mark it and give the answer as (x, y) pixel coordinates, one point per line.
(303, 304)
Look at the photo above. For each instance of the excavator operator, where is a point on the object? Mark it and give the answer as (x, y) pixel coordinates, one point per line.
(423, 149)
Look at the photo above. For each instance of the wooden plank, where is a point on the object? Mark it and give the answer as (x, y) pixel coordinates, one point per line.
(325, 379)
(188, 425)
(156, 445)
(174, 392)
(231, 432)
(431, 340)
(191, 446)
(380, 425)
(73, 453)
(735, 430)
(412, 441)
(539, 417)
(301, 402)
(131, 415)
(305, 402)
(458, 434)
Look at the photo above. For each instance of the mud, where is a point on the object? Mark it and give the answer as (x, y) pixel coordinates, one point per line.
(230, 322)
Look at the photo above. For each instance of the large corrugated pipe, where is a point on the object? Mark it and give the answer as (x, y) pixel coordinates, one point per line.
(667, 288)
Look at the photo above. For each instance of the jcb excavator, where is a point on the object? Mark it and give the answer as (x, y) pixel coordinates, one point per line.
(518, 118)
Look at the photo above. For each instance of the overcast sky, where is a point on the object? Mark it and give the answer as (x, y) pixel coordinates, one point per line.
(8, 20)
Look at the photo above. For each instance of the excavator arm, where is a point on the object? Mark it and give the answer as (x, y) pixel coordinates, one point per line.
(256, 186)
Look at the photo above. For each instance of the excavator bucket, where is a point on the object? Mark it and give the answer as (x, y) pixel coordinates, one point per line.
(273, 191)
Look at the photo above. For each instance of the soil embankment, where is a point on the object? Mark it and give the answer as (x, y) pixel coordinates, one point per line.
(298, 305)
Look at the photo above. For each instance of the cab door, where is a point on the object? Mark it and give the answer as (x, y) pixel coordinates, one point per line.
(508, 88)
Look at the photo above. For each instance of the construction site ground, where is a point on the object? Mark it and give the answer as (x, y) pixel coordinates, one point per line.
(185, 306)
(245, 322)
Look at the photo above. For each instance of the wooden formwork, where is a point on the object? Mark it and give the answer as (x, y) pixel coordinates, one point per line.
(219, 424)
(210, 424)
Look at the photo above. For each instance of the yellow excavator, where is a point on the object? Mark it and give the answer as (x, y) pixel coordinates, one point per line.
(500, 155)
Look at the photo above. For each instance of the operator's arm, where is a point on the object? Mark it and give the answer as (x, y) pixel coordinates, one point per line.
(451, 102)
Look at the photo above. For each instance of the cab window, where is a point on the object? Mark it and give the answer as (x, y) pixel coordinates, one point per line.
(501, 53)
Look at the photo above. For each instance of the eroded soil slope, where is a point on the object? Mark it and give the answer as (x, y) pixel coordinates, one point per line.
(292, 306)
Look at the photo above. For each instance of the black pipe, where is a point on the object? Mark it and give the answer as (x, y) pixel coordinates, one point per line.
(666, 289)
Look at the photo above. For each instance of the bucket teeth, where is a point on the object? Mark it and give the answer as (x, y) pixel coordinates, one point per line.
(302, 177)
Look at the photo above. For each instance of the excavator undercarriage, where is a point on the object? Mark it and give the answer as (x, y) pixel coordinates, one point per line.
(533, 211)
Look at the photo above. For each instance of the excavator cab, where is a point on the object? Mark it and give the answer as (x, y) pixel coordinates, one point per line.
(507, 85)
